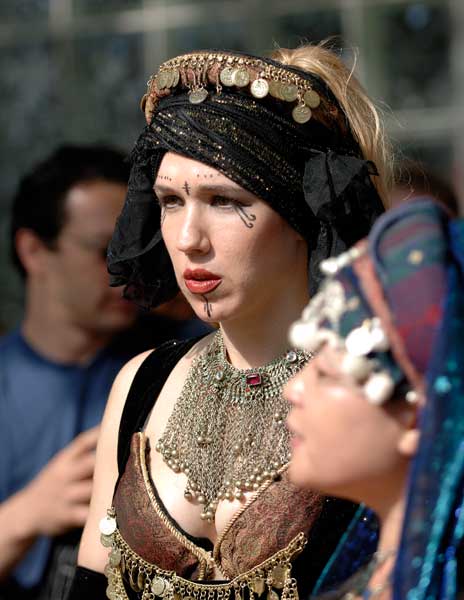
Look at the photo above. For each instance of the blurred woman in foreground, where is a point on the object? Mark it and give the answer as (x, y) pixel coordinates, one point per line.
(378, 415)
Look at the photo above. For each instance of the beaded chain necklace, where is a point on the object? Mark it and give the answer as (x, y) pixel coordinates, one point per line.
(227, 430)
(362, 589)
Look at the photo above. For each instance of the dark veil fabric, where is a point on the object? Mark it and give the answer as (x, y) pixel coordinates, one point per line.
(315, 178)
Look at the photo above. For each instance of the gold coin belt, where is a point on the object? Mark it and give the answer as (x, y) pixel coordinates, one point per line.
(199, 71)
(270, 580)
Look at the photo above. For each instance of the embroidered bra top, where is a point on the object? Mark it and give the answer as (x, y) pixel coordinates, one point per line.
(277, 543)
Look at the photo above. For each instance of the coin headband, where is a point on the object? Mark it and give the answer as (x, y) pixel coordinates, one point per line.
(199, 72)
(313, 175)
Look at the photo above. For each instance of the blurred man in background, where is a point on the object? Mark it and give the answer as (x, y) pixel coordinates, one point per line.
(56, 369)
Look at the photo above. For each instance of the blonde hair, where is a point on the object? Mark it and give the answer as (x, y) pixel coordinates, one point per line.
(361, 114)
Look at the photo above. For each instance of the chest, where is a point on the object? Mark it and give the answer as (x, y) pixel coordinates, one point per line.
(187, 511)
(209, 454)
(260, 527)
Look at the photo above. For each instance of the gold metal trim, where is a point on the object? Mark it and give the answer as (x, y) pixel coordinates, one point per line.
(198, 70)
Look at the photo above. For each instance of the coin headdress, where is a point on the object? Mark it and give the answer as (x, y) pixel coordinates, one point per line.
(277, 131)
(394, 304)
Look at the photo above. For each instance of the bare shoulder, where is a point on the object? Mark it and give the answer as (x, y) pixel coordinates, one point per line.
(125, 377)
(91, 554)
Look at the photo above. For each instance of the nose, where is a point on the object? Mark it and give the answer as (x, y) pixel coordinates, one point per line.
(193, 237)
(294, 390)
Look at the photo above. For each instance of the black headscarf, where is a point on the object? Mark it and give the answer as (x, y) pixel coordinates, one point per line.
(313, 176)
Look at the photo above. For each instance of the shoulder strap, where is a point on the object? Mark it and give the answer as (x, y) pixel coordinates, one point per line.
(144, 391)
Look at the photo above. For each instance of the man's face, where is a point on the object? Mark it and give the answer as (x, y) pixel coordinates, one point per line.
(76, 273)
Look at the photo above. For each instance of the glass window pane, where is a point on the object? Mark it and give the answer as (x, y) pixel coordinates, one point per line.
(31, 115)
(224, 36)
(436, 156)
(82, 7)
(310, 26)
(415, 54)
(23, 10)
(31, 122)
(104, 89)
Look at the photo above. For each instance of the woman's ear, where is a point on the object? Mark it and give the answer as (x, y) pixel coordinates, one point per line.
(408, 440)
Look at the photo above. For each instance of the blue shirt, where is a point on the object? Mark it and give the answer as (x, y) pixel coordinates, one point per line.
(43, 406)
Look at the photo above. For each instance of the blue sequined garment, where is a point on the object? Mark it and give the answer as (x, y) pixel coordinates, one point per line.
(428, 565)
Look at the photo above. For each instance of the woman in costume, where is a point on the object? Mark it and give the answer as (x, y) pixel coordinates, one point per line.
(378, 414)
(249, 169)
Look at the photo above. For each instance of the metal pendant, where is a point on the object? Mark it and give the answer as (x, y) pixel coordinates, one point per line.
(289, 92)
(115, 557)
(107, 525)
(158, 586)
(106, 540)
(258, 585)
(301, 113)
(141, 580)
(198, 96)
(240, 77)
(225, 76)
(133, 579)
(175, 77)
(279, 576)
(163, 79)
(259, 88)
(275, 89)
(312, 99)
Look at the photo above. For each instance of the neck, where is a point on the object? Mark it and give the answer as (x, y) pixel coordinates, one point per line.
(55, 337)
(391, 519)
(390, 510)
(258, 338)
(381, 579)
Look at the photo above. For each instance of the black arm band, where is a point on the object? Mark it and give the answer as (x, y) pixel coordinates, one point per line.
(87, 584)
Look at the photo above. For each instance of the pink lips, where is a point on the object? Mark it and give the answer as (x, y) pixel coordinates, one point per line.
(201, 281)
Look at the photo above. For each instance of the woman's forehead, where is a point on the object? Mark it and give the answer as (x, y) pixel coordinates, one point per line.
(176, 164)
(180, 171)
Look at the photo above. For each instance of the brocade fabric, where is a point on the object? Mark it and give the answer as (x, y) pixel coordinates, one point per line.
(267, 525)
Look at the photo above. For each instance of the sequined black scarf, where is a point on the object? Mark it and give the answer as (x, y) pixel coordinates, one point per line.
(315, 178)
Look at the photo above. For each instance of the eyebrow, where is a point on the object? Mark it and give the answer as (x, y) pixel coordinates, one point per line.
(221, 189)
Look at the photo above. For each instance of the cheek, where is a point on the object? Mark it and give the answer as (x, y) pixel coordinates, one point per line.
(263, 253)
(344, 442)
(90, 282)
(167, 235)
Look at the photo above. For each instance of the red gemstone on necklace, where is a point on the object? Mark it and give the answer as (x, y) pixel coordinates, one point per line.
(253, 379)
